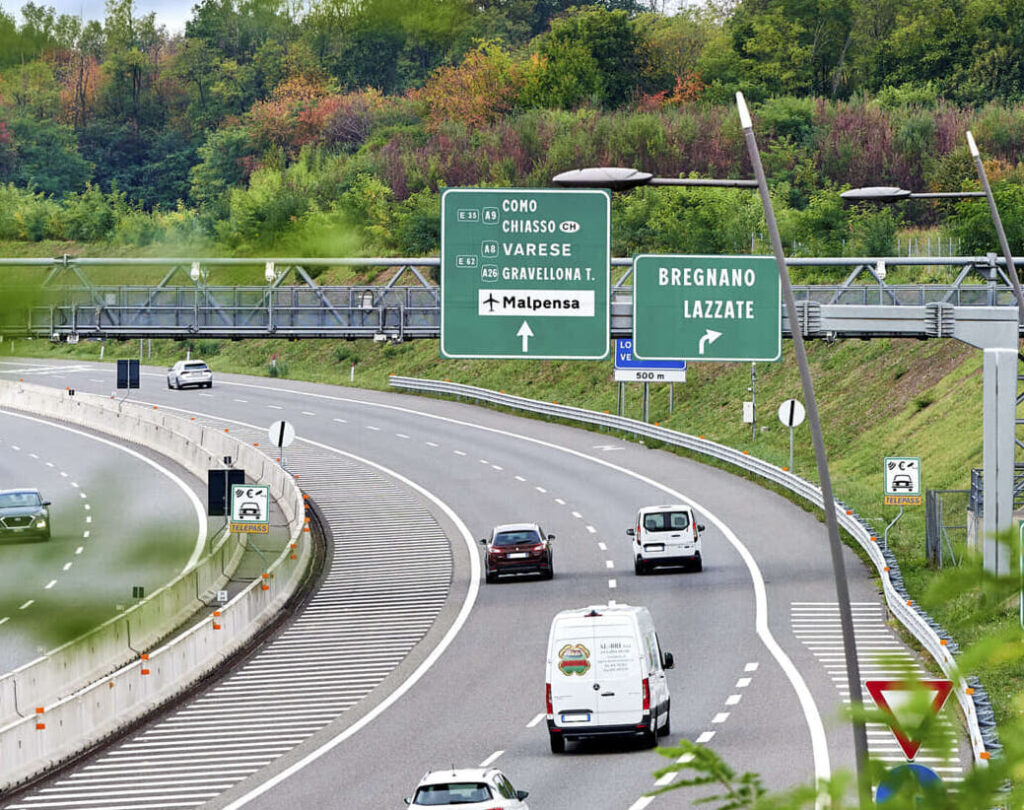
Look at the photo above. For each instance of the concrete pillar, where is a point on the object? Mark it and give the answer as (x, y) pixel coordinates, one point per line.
(1000, 421)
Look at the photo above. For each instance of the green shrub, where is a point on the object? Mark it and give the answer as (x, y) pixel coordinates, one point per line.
(89, 216)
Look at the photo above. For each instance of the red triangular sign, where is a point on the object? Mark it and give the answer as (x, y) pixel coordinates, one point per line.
(884, 691)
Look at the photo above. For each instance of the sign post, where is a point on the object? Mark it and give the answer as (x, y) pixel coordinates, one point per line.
(791, 413)
(525, 273)
(706, 308)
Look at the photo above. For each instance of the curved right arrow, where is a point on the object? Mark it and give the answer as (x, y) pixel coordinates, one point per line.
(710, 336)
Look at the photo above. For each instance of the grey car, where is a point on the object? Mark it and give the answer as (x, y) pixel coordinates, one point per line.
(23, 514)
(189, 372)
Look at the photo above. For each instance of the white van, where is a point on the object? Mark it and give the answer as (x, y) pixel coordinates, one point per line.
(606, 675)
(666, 535)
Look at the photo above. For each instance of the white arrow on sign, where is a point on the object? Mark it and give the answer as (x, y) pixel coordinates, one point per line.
(281, 433)
(525, 332)
(710, 336)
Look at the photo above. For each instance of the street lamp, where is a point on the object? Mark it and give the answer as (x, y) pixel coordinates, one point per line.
(888, 194)
(623, 179)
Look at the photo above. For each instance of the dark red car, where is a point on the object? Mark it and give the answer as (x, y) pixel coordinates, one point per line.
(518, 548)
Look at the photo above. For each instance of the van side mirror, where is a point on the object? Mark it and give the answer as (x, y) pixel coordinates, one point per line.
(522, 794)
(551, 537)
(407, 800)
(670, 661)
(701, 527)
(483, 540)
(631, 532)
(47, 503)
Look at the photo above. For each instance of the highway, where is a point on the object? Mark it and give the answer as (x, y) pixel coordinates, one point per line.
(120, 518)
(750, 680)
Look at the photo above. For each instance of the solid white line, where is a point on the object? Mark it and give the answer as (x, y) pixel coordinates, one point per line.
(531, 724)
(705, 737)
(812, 716)
(50, 584)
(491, 759)
(602, 546)
(197, 505)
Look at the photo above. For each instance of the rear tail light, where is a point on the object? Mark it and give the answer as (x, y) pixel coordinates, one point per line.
(638, 534)
(647, 695)
(547, 698)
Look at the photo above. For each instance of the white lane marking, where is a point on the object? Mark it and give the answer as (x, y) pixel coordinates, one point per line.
(721, 717)
(15, 447)
(83, 495)
(85, 534)
(491, 759)
(560, 501)
(276, 407)
(812, 717)
(496, 467)
(88, 518)
(79, 549)
(612, 583)
(535, 720)
(93, 379)
(33, 455)
(520, 478)
(49, 463)
(428, 662)
(751, 667)
(577, 515)
(401, 435)
(197, 505)
(591, 529)
(540, 489)
(484, 461)
(667, 779)
(742, 683)
(433, 444)
(732, 700)
(27, 604)
(705, 737)
(641, 803)
(74, 485)
(609, 564)
(372, 427)
(458, 452)
(5, 619)
(243, 401)
(308, 413)
(339, 419)
(50, 584)
(685, 758)
(67, 565)
(206, 395)
(602, 546)
(63, 474)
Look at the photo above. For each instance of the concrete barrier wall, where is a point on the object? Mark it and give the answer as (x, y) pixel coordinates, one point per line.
(85, 690)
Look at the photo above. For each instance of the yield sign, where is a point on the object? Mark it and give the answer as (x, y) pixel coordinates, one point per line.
(897, 700)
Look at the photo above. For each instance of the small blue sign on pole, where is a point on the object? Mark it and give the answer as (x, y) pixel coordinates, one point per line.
(629, 368)
(924, 780)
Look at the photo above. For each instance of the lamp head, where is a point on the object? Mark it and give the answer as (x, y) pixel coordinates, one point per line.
(611, 177)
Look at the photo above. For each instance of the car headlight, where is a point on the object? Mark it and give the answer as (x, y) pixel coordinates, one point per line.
(41, 524)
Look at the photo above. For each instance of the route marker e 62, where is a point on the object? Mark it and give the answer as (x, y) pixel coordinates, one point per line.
(525, 273)
(706, 308)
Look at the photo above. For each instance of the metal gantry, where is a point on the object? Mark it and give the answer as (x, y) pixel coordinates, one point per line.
(978, 308)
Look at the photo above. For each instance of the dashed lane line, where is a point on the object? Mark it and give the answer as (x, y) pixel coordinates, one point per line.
(491, 759)
(535, 721)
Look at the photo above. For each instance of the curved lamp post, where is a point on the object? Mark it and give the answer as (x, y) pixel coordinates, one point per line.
(622, 179)
(888, 194)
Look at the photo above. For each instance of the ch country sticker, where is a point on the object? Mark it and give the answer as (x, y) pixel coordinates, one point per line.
(574, 659)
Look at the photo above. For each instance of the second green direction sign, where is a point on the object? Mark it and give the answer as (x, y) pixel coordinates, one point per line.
(524, 273)
(706, 308)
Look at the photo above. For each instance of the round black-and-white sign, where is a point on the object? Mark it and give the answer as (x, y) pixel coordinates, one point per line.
(791, 413)
(281, 433)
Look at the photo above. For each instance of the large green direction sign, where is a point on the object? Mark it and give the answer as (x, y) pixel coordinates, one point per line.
(706, 308)
(524, 273)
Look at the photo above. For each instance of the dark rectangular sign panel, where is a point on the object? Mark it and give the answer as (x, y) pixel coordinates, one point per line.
(218, 488)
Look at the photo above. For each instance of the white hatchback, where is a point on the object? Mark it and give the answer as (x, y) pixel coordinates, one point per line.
(189, 372)
(468, 789)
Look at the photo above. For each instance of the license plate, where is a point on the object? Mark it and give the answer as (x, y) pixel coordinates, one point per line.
(518, 555)
(655, 547)
(578, 717)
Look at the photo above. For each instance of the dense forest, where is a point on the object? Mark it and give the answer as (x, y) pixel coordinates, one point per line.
(330, 126)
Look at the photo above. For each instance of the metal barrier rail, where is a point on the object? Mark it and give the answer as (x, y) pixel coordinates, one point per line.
(971, 696)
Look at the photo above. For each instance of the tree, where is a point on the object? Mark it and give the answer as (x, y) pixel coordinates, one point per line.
(46, 157)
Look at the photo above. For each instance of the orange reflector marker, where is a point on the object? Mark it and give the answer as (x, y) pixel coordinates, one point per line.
(849, 511)
(887, 568)
(154, 407)
(943, 642)
(265, 587)
(910, 601)
(266, 576)
(226, 430)
(216, 613)
(279, 461)
(657, 424)
(306, 519)
(40, 726)
(305, 528)
(702, 435)
(144, 656)
(746, 452)
(40, 710)
(785, 469)
(984, 755)
(294, 545)
(144, 672)
(969, 690)
(193, 419)
(216, 626)
(874, 539)
(255, 444)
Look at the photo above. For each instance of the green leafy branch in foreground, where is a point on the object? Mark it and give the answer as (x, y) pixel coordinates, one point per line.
(983, 600)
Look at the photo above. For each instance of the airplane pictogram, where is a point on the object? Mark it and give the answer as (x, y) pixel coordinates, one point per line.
(491, 301)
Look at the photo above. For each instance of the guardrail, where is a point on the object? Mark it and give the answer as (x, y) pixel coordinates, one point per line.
(971, 696)
(67, 700)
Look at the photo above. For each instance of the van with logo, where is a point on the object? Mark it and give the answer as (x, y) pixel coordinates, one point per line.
(666, 535)
(606, 676)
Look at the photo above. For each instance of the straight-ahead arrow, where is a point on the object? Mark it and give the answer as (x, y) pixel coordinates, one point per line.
(525, 333)
(710, 336)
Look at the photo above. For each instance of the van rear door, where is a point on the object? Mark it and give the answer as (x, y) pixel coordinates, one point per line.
(571, 673)
(618, 677)
(678, 535)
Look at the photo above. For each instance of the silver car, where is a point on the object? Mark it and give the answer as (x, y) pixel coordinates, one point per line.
(189, 372)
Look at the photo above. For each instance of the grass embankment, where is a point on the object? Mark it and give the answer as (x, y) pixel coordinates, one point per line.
(876, 398)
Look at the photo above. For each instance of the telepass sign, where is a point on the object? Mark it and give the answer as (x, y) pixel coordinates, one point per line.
(706, 308)
(524, 273)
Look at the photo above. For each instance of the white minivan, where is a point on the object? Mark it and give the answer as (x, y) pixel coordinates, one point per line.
(606, 675)
(666, 535)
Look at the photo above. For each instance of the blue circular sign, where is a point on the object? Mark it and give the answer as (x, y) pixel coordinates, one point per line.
(927, 781)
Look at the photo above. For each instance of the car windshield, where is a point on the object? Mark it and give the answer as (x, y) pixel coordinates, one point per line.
(16, 499)
(671, 521)
(515, 538)
(196, 367)
(452, 793)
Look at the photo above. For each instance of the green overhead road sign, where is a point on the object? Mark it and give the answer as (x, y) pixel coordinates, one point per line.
(525, 273)
(706, 308)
